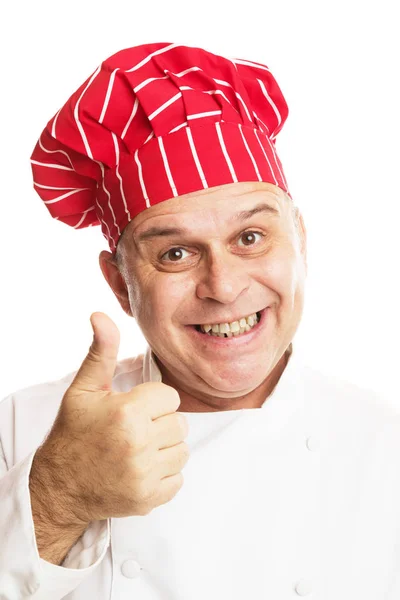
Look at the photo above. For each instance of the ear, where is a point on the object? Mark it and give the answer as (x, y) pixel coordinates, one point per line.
(303, 238)
(114, 278)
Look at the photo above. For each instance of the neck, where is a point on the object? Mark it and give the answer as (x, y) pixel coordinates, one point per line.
(201, 403)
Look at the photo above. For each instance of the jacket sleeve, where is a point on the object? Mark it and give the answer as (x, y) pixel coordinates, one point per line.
(23, 573)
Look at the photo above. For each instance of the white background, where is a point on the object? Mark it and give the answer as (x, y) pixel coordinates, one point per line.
(337, 64)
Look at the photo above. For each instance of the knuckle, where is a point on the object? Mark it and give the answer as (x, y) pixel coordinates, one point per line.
(140, 437)
(128, 418)
(141, 469)
(166, 392)
(123, 413)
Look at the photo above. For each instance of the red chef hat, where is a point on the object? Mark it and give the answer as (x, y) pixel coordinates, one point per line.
(153, 122)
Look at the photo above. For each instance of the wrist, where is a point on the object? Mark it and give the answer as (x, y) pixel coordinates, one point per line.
(51, 502)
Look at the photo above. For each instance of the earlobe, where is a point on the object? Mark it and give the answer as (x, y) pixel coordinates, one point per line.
(115, 280)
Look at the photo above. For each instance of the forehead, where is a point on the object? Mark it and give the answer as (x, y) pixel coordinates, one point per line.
(220, 203)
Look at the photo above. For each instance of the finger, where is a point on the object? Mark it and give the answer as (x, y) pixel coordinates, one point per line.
(170, 430)
(169, 487)
(97, 370)
(155, 399)
(172, 460)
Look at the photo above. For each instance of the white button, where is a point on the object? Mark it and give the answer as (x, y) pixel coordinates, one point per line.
(303, 587)
(312, 443)
(130, 568)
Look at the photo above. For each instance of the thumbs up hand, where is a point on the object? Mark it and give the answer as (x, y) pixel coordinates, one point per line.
(112, 454)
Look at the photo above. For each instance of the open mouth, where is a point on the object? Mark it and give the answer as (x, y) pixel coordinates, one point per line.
(233, 329)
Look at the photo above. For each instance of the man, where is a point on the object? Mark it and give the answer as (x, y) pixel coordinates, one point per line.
(291, 480)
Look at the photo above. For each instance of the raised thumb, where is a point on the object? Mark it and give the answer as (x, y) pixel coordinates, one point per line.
(97, 370)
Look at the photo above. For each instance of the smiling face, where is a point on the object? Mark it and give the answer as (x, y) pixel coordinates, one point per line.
(209, 257)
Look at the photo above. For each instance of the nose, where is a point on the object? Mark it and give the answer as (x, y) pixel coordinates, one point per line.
(224, 278)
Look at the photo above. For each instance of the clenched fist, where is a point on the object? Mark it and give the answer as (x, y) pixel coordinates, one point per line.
(113, 454)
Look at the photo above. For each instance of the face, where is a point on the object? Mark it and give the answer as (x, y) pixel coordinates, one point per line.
(211, 257)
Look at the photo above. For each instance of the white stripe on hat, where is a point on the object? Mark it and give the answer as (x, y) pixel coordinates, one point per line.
(150, 56)
(164, 106)
(248, 63)
(250, 154)
(224, 150)
(53, 127)
(148, 138)
(151, 79)
(55, 151)
(211, 92)
(146, 82)
(272, 103)
(108, 94)
(166, 166)
(142, 185)
(244, 106)
(190, 70)
(277, 165)
(116, 146)
(233, 62)
(133, 113)
(204, 114)
(269, 164)
(51, 165)
(59, 198)
(108, 194)
(50, 187)
(196, 158)
(104, 223)
(178, 127)
(262, 123)
(83, 217)
(76, 113)
(221, 93)
(218, 93)
(238, 96)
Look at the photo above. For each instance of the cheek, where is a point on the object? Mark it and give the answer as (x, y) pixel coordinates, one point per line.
(163, 294)
(279, 271)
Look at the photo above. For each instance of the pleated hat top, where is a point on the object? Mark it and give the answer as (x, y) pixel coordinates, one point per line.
(154, 122)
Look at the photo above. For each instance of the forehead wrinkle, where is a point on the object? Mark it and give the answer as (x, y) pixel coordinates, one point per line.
(196, 201)
(160, 231)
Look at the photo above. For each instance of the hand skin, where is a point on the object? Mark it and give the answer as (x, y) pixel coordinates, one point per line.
(107, 454)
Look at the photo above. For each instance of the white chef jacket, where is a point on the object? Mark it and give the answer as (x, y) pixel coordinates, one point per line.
(300, 497)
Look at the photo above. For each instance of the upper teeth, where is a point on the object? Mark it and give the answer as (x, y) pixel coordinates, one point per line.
(236, 326)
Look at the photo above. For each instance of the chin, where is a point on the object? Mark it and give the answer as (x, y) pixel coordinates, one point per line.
(236, 381)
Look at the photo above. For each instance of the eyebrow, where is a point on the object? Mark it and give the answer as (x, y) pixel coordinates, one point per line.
(241, 216)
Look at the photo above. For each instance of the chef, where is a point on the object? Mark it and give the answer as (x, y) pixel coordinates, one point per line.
(217, 464)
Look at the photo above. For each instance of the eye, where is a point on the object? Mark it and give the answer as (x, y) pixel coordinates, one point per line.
(174, 255)
(249, 237)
